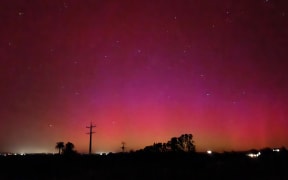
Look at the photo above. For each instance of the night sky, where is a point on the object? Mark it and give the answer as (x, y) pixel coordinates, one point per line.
(143, 71)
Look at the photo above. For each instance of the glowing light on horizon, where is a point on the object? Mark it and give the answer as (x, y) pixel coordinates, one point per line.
(253, 155)
(209, 152)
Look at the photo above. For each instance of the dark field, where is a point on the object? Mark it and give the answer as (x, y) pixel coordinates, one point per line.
(146, 166)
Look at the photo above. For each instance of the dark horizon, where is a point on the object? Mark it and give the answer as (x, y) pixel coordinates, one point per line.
(269, 165)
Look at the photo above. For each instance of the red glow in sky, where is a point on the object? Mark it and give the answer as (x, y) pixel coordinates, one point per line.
(143, 71)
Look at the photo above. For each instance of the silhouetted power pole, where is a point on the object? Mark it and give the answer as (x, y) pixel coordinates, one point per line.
(123, 146)
(90, 133)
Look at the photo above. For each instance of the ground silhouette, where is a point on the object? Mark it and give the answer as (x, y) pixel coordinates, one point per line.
(176, 159)
(147, 165)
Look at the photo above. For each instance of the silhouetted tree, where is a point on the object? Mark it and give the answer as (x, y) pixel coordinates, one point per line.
(69, 149)
(174, 144)
(267, 150)
(60, 146)
(283, 149)
(149, 149)
(164, 147)
(158, 147)
(183, 143)
(186, 142)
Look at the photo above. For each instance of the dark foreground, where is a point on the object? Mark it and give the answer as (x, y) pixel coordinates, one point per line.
(145, 166)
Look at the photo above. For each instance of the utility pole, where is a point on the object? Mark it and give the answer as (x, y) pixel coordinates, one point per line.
(90, 133)
(123, 146)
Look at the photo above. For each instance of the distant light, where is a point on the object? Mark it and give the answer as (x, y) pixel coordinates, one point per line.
(276, 150)
(101, 153)
(209, 152)
(253, 155)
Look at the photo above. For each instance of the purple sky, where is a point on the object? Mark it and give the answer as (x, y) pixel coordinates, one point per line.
(143, 71)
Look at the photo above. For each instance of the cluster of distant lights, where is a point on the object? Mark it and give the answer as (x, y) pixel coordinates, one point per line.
(23, 154)
(251, 155)
(256, 155)
(13, 154)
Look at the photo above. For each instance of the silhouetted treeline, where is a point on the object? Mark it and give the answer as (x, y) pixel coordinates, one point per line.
(183, 143)
(66, 149)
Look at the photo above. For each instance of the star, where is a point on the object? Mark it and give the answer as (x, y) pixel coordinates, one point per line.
(65, 5)
(202, 76)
